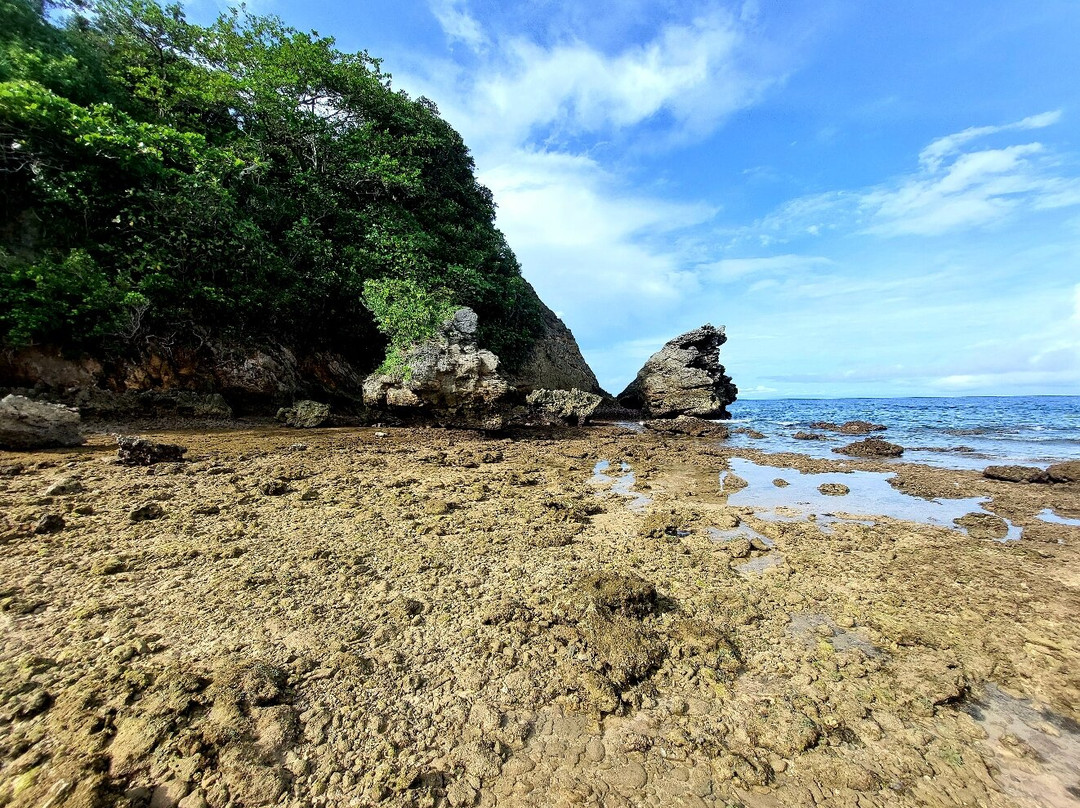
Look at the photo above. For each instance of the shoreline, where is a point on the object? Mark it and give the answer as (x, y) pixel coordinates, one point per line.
(434, 617)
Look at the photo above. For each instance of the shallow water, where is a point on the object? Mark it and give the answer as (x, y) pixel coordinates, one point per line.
(1036, 751)
(870, 495)
(969, 433)
(756, 566)
(1048, 515)
(622, 484)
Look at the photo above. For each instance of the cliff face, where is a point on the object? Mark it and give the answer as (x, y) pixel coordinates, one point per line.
(219, 378)
(555, 362)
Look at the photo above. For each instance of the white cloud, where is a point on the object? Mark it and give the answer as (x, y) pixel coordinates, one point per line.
(952, 190)
(933, 155)
(458, 24)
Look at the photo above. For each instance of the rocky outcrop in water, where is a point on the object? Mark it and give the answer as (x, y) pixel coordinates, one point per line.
(684, 377)
(447, 378)
(871, 447)
(26, 424)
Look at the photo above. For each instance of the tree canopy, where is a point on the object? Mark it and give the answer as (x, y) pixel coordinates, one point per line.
(164, 180)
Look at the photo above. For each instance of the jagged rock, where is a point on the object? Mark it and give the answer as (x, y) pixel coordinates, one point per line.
(304, 414)
(572, 406)
(800, 435)
(1067, 472)
(26, 424)
(871, 447)
(554, 362)
(135, 451)
(447, 377)
(834, 489)
(688, 425)
(684, 377)
(146, 512)
(1015, 474)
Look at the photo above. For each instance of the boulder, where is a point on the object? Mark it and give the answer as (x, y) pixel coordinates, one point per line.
(136, 451)
(447, 377)
(800, 435)
(1067, 472)
(1015, 474)
(684, 377)
(688, 425)
(572, 406)
(304, 414)
(834, 489)
(26, 424)
(871, 447)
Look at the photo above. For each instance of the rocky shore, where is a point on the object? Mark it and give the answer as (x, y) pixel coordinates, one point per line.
(421, 617)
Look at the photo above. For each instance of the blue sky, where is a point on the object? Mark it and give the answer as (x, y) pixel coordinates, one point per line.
(876, 199)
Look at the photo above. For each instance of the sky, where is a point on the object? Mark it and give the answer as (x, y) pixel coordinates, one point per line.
(875, 198)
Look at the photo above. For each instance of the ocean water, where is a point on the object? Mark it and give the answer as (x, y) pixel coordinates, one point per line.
(968, 433)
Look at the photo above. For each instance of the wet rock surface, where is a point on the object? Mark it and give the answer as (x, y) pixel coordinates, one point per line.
(684, 377)
(454, 620)
(26, 424)
(688, 425)
(871, 447)
(1016, 474)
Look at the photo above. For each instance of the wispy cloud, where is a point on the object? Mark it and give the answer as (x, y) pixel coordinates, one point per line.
(952, 190)
(458, 24)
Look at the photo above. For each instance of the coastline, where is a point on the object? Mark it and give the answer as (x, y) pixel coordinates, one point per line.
(428, 617)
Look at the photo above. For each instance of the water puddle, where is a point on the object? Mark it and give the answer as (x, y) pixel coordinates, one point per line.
(1034, 751)
(870, 495)
(741, 532)
(622, 484)
(1048, 515)
(809, 628)
(756, 566)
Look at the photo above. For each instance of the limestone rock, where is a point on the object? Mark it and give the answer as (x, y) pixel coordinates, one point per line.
(304, 414)
(26, 424)
(572, 406)
(871, 447)
(1015, 474)
(688, 425)
(834, 489)
(1067, 472)
(448, 377)
(554, 362)
(136, 451)
(684, 377)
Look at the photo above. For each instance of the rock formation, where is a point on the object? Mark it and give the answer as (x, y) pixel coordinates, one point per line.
(871, 447)
(447, 377)
(572, 406)
(136, 451)
(26, 424)
(305, 414)
(555, 361)
(684, 377)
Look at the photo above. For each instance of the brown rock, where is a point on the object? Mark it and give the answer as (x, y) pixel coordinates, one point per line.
(871, 447)
(1015, 474)
(1067, 472)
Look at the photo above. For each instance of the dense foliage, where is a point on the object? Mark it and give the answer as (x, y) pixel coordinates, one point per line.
(166, 181)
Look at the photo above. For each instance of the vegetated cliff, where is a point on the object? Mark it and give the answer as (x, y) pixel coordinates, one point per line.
(238, 210)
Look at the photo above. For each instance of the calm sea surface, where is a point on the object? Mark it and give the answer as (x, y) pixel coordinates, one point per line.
(952, 432)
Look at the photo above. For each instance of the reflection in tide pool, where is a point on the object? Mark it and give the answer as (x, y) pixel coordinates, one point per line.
(1048, 515)
(622, 485)
(870, 495)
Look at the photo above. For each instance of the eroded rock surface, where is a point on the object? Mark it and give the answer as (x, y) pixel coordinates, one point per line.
(135, 451)
(447, 377)
(871, 447)
(555, 361)
(571, 406)
(26, 424)
(684, 377)
(305, 414)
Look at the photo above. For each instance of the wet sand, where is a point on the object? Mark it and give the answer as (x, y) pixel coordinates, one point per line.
(424, 617)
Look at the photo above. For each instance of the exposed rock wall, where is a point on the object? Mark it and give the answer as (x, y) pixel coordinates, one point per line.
(555, 362)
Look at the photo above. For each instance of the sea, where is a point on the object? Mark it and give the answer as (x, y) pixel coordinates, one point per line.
(964, 433)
